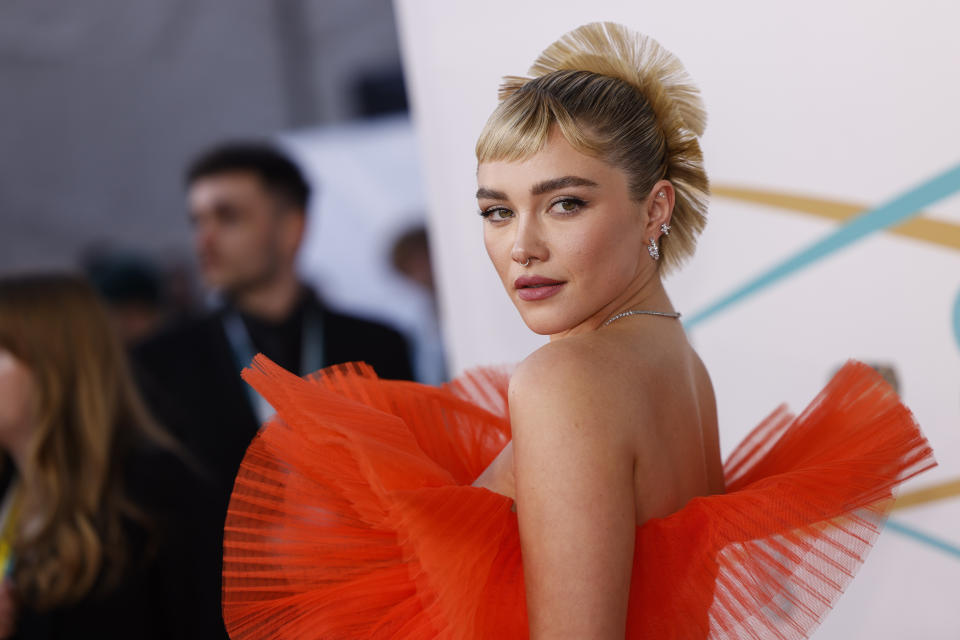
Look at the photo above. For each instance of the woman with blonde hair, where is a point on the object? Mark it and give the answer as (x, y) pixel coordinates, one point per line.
(96, 537)
(583, 495)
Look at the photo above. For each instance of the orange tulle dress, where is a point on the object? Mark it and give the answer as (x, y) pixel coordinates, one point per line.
(353, 517)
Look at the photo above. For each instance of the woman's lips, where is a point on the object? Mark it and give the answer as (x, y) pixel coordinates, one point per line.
(536, 287)
(539, 293)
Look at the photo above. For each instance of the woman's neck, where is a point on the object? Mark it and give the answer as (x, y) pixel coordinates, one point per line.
(647, 294)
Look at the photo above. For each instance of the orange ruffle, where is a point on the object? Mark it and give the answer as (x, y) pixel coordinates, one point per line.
(353, 515)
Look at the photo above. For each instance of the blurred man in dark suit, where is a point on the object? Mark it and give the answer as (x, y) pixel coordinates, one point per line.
(248, 207)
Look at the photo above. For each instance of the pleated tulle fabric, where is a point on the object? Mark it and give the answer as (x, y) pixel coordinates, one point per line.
(353, 517)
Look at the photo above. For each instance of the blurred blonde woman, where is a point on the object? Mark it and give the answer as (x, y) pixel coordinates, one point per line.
(96, 534)
(582, 496)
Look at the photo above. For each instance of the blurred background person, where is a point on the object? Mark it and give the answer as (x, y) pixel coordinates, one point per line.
(132, 289)
(247, 204)
(410, 257)
(143, 294)
(103, 522)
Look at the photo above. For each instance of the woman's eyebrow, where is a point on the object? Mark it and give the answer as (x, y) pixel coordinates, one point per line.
(561, 183)
(489, 194)
(540, 188)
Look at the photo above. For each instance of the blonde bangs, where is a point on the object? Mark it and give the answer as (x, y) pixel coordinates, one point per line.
(520, 125)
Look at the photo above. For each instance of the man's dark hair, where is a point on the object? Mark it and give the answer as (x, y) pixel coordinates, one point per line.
(280, 176)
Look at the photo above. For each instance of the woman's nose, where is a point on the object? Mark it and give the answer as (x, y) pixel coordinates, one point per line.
(528, 241)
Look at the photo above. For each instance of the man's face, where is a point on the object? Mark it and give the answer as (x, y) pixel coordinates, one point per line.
(242, 235)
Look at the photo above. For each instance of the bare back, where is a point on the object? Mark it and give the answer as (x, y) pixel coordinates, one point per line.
(677, 446)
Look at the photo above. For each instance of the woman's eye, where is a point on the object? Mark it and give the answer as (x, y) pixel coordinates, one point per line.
(568, 205)
(496, 214)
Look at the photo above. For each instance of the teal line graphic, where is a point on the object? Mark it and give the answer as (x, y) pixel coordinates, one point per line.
(887, 215)
(920, 536)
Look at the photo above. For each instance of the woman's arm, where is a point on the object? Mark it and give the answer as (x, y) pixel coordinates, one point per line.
(573, 463)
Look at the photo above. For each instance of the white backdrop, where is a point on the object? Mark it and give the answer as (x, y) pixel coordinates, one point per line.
(833, 102)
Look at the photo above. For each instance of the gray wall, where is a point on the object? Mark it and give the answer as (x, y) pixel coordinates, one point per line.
(103, 102)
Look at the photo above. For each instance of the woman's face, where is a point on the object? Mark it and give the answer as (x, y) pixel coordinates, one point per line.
(571, 215)
(17, 400)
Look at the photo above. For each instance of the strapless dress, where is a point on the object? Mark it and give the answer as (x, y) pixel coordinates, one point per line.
(353, 515)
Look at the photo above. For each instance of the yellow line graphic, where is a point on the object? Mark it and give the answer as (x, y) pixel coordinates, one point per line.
(937, 232)
(935, 493)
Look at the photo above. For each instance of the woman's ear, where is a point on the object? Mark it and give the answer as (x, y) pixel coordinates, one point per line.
(659, 207)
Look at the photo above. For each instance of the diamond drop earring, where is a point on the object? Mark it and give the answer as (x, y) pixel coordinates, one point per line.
(654, 249)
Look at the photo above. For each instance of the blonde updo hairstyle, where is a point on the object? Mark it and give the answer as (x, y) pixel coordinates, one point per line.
(621, 97)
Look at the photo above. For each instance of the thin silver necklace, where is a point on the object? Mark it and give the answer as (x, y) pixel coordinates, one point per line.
(642, 312)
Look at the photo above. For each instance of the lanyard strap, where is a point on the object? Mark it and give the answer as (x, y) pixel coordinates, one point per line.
(311, 352)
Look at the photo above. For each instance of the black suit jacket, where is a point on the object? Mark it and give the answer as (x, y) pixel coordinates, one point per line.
(192, 384)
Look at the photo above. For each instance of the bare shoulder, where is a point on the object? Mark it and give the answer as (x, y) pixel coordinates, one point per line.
(561, 364)
(580, 378)
(588, 352)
